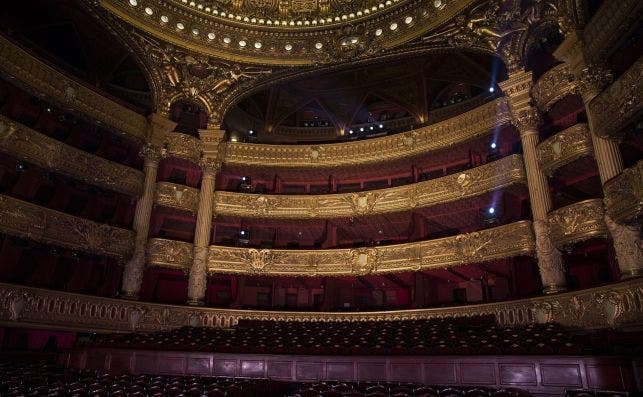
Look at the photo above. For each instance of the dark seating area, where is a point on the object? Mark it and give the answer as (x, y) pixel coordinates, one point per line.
(466, 336)
(47, 379)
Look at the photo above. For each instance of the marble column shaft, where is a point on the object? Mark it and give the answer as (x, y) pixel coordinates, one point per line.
(133, 273)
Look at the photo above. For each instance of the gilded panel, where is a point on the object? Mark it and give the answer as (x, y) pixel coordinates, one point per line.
(554, 85)
(624, 195)
(169, 253)
(500, 242)
(66, 92)
(578, 222)
(473, 182)
(477, 122)
(619, 104)
(565, 147)
(613, 306)
(183, 146)
(177, 196)
(36, 148)
(30, 221)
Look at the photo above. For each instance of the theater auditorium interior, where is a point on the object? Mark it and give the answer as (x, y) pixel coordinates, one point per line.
(303, 198)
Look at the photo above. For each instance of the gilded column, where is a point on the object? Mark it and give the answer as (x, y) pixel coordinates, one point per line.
(151, 153)
(526, 118)
(593, 78)
(210, 164)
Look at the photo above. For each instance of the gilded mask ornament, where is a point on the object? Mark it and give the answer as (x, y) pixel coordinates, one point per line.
(259, 259)
(364, 260)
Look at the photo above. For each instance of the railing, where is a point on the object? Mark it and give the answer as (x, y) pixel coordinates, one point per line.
(30, 145)
(564, 148)
(624, 195)
(554, 85)
(578, 222)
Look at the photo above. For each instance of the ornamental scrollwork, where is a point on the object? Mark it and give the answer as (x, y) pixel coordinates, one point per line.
(554, 85)
(564, 148)
(577, 222)
(169, 253)
(177, 196)
(363, 261)
(624, 195)
(183, 146)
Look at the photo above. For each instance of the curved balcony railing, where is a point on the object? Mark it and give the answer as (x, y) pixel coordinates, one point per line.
(554, 85)
(624, 195)
(27, 144)
(33, 222)
(608, 306)
(36, 76)
(564, 148)
(476, 181)
(578, 222)
(500, 242)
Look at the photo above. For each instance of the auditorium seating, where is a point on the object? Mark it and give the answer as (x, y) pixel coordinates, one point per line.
(469, 336)
(45, 379)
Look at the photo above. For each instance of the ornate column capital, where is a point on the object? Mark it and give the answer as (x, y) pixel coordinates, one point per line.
(210, 166)
(152, 154)
(527, 120)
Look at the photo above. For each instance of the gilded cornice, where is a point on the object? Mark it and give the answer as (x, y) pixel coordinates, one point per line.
(565, 147)
(619, 104)
(22, 142)
(183, 146)
(473, 182)
(177, 196)
(171, 254)
(610, 306)
(577, 222)
(33, 222)
(624, 195)
(284, 41)
(607, 26)
(477, 122)
(500, 242)
(60, 90)
(557, 83)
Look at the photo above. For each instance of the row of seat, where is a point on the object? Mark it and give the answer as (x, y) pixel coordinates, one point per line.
(473, 336)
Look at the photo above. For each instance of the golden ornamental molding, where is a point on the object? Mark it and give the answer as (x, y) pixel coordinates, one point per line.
(612, 306)
(495, 175)
(55, 87)
(170, 254)
(564, 148)
(474, 123)
(619, 104)
(183, 146)
(624, 195)
(555, 84)
(29, 145)
(177, 196)
(500, 242)
(577, 222)
(33, 222)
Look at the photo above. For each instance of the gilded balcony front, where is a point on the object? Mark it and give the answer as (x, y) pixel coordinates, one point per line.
(500, 242)
(495, 175)
(176, 196)
(554, 85)
(36, 76)
(171, 254)
(578, 222)
(26, 144)
(564, 148)
(474, 123)
(33, 222)
(183, 146)
(624, 195)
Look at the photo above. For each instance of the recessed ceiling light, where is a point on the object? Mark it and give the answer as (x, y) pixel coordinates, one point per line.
(408, 20)
(133, 3)
(258, 44)
(227, 40)
(211, 36)
(393, 26)
(288, 47)
(149, 11)
(195, 31)
(180, 26)
(318, 45)
(164, 19)
(378, 32)
(242, 43)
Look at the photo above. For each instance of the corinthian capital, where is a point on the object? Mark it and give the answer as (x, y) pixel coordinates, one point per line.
(151, 153)
(593, 79)
(527, 119)
(210, 165)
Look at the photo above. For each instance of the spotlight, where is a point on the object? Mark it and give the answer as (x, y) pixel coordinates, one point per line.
(251, 132)
(350, 131)
(243, 178)
(381, 125)
(491, 210)
(493, 145)
(233, 139)
(361, 129)
(491, 89)
(243, 232)
(371, 128)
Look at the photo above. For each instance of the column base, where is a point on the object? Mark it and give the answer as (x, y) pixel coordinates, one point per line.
(195, 302)
(131, 296)
(632, 273)
(554, 289)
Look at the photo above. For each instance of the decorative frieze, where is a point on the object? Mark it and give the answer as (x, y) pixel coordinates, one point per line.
(564, 148)
(613, 306)
(60, 90)
(619, 104)
(22, 142)
(169, 253)
(578, 222)
(624, 195)
(554, 85)
(504, 241)
(33, 222)
(477, 122)
(177, 196)
(496, 175)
